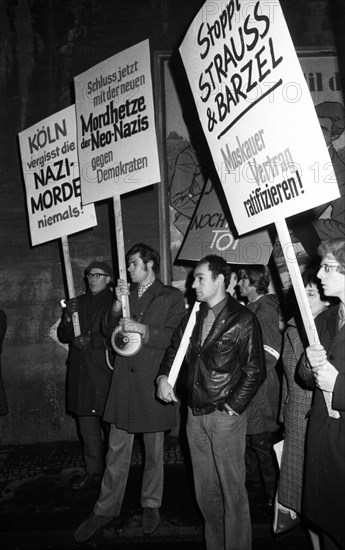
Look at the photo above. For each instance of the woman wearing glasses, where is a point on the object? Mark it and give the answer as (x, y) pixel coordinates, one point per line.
(88, 375)
(323, 368)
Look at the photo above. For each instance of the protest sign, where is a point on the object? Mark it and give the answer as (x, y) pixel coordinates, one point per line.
(117, 142)
(51, 175)
(256, 112)
(209, 233)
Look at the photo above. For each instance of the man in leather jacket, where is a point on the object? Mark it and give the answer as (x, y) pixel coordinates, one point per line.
(226, 366)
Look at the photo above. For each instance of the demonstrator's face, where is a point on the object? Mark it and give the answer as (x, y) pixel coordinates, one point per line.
(138, 271)
(332, 281)
(206, 288)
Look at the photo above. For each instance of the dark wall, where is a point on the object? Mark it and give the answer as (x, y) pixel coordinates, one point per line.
(43, 45)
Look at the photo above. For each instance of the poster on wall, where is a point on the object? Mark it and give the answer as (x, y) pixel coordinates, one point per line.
(185, 178)
(182, 175)
(116, 133)
(322, 76)
(209, 233)
(52, 181)
(257, 113)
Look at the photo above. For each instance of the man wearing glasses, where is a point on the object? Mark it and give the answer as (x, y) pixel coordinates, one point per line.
(88, 374)
(323, 368)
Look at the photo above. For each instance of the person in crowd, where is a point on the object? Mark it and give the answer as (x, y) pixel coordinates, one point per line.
(262, 412)
(296, 400)
(323, 367)
(132, 407)
(88, 373)
(226, 366)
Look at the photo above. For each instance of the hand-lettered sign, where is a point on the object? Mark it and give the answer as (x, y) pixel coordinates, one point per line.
(52, 182)
(256, 112)
(117, 142)
(209, 233)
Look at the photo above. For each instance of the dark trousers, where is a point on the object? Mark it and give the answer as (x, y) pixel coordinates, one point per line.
(217, 446)
(93, 433)
(260, 461)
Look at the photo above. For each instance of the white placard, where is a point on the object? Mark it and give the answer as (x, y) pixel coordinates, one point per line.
(117, 142)
(52, 182)
(256, 112)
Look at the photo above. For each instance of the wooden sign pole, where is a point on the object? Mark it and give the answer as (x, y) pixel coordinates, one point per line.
(70, 283)
(121, 256)
(181, 352)
(301, 296)
(124, 343)
(297, 281)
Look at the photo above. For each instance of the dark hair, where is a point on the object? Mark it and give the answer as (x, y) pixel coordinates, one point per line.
(258, 276)
(218, 266)
(309, 277)
(335, 247)
(147, 254)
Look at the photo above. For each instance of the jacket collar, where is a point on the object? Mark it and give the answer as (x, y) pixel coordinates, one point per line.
(217, 325)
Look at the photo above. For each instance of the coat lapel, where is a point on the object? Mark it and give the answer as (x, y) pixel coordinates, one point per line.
(149, 295)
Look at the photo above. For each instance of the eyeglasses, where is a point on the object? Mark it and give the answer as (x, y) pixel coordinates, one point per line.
(328, 267)
(96, 276)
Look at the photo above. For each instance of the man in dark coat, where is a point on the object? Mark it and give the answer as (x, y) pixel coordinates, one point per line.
(88, 374)
(323, 368)
(262, 412)
(132, 407)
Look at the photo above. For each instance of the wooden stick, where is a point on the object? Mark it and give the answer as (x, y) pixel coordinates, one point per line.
(181, 352)
(70, 283)
(301, 296)
(297, 281)
(121, 256)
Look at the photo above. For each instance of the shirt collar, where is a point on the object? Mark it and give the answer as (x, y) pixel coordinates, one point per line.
(142, 288)
(218, 307)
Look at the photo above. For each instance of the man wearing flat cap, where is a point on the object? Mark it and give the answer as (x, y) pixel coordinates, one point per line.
(88, 374)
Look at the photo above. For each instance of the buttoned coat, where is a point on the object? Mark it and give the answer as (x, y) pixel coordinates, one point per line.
(88, 375)
(132, 404)
(262, 411)
(324, 488)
